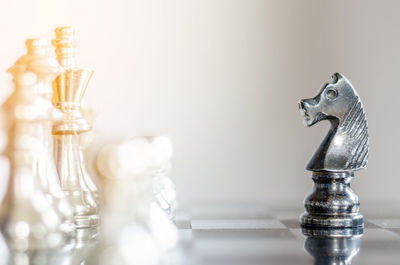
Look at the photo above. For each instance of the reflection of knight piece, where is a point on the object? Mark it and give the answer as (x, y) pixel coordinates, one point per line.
(332, 203)
(29, 221)
(39, 61)
(69, 88)
(329, 247)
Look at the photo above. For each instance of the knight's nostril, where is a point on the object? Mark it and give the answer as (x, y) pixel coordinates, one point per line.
(301, 105)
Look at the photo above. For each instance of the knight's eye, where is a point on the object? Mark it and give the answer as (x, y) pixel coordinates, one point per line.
(331, 93)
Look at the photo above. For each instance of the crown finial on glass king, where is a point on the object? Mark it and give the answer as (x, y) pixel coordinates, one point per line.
(70, 86)
(68, 90)
(65, 44)
(332, 203)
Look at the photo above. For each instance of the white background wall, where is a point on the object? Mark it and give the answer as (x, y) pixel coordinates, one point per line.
(222, 78)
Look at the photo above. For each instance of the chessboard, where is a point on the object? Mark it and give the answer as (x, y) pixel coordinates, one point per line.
(255, 234)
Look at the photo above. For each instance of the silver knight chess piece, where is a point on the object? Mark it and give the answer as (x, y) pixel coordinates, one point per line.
(332, 203)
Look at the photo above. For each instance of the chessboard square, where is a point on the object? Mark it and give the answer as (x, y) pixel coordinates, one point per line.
(395, 230)
(230, 211)
(249, 251)
(292, 223)
(237, 224)
(370, 225)
(298, 233)
(386, 223)
(241, 234)
(185, 235)
(281, 261)
(183, 224)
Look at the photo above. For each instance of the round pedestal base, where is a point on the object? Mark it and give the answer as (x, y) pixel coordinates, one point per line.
(332, 232)
(332, 204)
(335, 222)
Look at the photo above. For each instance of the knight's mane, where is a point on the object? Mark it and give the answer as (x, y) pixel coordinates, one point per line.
(355, 125)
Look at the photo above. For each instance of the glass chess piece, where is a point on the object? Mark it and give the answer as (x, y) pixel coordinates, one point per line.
(158, 151)
(128, 234)
(29, 222)
(4, 162)
(40, 61)
(69, 88)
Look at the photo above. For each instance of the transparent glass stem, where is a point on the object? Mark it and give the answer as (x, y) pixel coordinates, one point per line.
(70, 166)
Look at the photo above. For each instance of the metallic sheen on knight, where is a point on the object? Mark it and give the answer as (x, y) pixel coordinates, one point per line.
(332, 203)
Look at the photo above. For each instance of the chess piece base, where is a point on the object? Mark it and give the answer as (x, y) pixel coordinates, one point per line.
(351, 221)
(332, 232)
(332, 203)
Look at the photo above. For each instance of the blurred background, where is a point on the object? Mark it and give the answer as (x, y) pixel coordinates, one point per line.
(222, 79)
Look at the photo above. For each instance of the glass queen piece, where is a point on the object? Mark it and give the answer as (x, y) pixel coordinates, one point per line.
(69, 88)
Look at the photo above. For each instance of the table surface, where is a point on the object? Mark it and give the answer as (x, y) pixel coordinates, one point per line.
(251, 234)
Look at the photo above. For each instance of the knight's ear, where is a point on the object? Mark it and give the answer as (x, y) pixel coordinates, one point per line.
(336, 77)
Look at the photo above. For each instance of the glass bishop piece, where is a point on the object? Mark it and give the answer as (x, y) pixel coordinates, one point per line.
(68, 90)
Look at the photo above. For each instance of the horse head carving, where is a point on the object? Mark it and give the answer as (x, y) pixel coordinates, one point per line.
(345, 148)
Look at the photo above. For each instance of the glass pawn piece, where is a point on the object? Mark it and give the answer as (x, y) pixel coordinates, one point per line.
(128, 197)
(29, 221)
(135, 161)
(39, 60)
(68, 90)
